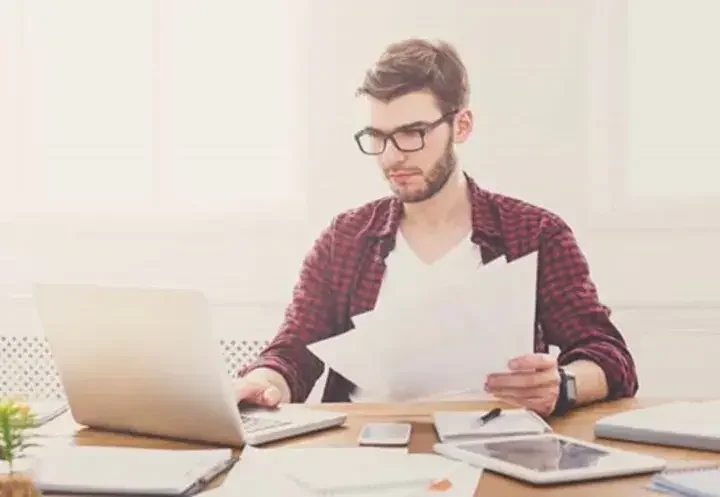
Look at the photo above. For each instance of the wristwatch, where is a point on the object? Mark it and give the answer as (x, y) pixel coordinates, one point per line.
(567, 397)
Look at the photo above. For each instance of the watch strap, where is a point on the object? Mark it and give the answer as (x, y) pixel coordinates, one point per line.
(564, 403)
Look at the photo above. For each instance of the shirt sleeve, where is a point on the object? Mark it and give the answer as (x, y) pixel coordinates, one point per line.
(308, 318)
(573, 318)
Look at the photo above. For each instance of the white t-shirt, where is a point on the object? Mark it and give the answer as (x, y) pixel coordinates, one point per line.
(406, 273)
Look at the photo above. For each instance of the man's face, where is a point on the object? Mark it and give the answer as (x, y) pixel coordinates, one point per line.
(423, 159)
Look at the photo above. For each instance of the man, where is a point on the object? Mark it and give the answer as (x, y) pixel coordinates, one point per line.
(439, 222)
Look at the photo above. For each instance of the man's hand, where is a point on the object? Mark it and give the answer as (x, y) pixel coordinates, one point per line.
(262, 387)
(533, 382)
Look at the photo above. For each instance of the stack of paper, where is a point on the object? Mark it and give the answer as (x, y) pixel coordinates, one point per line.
(355, 471)
(447, 341)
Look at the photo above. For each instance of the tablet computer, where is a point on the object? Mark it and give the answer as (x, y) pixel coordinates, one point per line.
(550, 458)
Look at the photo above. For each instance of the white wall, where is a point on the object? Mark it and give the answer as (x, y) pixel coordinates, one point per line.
(543, 108)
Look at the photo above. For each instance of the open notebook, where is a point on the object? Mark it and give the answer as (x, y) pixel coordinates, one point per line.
(455, 426)
(689, 482)
(124, 470)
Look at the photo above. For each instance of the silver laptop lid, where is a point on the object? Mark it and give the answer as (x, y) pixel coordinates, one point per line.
(140, 360)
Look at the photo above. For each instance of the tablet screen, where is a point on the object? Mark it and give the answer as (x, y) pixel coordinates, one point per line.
(540, 454)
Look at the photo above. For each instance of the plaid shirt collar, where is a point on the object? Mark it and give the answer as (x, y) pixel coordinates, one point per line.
(485, 221)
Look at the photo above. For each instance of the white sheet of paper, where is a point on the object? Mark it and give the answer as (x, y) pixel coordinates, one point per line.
(256, 477)
(380, 467)
(358, 356)
(442, 344)
(451, 341)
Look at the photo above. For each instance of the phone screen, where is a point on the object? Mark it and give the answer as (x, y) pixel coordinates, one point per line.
(385, 431)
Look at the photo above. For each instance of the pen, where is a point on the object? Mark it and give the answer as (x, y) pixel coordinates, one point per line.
(489, 416)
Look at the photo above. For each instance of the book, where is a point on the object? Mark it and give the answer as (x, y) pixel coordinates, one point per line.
(689, 482)
(454, 426)
(128, 470)
(685, 424)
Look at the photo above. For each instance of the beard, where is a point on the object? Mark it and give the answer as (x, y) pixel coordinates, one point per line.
(434, 179)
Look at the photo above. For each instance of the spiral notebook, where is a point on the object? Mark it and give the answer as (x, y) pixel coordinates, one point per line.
(689, 482)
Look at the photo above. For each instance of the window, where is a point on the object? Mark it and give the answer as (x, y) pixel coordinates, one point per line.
(138, 109)
(154, 142)
(655, 111)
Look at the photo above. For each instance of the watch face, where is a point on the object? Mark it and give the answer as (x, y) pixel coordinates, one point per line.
(571, 388)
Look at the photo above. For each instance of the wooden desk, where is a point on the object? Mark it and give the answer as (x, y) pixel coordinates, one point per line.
(578, 424)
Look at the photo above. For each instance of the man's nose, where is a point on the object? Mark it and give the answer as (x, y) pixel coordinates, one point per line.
(391, 155)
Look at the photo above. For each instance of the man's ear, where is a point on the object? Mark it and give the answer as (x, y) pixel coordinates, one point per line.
(463, 125)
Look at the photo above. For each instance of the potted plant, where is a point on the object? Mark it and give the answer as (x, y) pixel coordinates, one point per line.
(15, 421)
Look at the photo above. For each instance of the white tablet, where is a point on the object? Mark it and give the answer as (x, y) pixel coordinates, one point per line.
(550, 458)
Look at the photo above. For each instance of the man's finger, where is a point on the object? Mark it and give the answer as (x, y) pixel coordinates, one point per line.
(271, 397)
(247, 390)
(532, 362)
(522, 380)
(526, 394)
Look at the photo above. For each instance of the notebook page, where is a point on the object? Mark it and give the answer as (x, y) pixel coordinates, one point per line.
(703, 482)
(451, 424)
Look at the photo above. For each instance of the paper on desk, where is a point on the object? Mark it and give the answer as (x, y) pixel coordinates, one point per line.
(443, 343)
(255, 477)
(386, 473)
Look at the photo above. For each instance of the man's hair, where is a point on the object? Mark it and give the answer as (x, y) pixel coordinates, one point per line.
(414, 65)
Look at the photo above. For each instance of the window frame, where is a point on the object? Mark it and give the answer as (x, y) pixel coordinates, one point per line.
(166, 218)
(610, 207)
(287, 230)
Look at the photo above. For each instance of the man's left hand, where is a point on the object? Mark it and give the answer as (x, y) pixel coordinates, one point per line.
(533, 382)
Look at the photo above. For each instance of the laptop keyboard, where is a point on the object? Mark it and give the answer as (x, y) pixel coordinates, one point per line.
(256, 423)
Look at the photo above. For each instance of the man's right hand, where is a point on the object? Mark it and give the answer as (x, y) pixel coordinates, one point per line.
(261, 387)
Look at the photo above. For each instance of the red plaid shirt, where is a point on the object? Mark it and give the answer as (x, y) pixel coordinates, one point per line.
(342, 273)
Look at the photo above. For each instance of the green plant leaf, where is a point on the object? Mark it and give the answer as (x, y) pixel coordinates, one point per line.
(15, 420)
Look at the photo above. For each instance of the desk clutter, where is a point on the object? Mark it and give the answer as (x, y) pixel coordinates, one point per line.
(514, 443)
(291, 472)
(519, 444)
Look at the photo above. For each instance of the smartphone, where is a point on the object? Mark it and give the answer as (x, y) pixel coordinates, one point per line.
(385, 434)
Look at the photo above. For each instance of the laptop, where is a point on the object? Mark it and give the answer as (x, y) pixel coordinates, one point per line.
(146, 361)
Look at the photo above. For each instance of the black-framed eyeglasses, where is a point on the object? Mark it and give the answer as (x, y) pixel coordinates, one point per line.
(407, 138)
